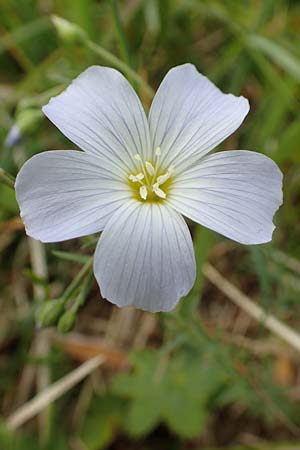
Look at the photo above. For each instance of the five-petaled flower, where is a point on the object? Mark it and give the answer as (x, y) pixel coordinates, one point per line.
(137, 176)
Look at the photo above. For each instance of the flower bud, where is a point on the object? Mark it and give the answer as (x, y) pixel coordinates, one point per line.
(67, 321)
(49, 312)
(67, 31)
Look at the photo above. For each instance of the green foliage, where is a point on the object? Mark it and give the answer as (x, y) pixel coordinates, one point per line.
(12, 441)
(173, 389)
(249, 48)
(68, 256)
(203, 239)
(178, 387)
(24, 441)
(103, 418)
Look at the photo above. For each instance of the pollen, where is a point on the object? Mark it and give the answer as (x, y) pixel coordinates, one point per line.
(150, 182)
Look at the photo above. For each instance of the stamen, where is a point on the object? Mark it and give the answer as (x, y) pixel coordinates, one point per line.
(163, 178)
(150, 168)
(139, 158)
(148, 177)
(136, 178)
(159, 192)
(143, 192)
(157, 152)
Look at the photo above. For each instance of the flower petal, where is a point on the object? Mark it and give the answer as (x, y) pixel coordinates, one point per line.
(145, 257)
(235, 193)
(65, 194)
(101, 113)
(190, 116)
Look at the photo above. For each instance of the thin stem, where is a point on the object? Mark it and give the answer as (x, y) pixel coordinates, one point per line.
(7, 179)
(80, 299)
(116, 62)
(78, 280)
(242, 301)
(123, 44)
(52, 393)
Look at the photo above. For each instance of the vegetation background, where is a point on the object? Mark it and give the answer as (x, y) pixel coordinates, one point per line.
(215, 373)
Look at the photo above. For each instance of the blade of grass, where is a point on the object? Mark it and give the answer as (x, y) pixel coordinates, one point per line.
(52, 393)
(68, 256)
(277, 53)
(241, 300)
(25, 32)
(7, 179)
(123, 67)
(122, 40)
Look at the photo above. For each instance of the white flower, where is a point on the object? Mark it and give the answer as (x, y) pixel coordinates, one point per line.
(136, 177)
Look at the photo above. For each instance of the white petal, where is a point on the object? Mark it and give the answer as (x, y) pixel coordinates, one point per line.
(65, 194)
(101, 113)
(190, 116)
(145, 257)
(235, 193)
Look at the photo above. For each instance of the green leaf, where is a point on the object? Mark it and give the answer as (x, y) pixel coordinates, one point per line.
(288, 148)
(171, 389)
(184, 416)
(277, 53)
(68, 256)
(144, 414)
(103, 418)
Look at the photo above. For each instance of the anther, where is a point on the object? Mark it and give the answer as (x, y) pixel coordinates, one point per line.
(159, 192)
(150, 168)
(136, 178)
(158, 151)
(137, 157)
(163, 178)
(143, 192)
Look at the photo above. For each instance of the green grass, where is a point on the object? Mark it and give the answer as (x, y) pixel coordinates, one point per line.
(247, 47)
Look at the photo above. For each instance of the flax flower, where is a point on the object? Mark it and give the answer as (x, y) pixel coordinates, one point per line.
(137, 176)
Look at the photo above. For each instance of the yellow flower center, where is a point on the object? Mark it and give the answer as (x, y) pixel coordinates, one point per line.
(149, 183)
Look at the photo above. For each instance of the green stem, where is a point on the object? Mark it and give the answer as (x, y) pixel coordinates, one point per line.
(116, 62)
(40, 99)
(123, 44)
(7, 179)
(80, 299)
(77, 280)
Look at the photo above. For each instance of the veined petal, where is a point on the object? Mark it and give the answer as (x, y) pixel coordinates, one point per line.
(235, 193)
(65, 194)
(101, 113)
(145, 257)
(190, 116)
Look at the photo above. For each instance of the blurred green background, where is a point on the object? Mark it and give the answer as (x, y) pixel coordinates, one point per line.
(206, 376)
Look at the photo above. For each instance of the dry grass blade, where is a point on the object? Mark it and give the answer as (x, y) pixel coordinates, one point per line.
(52, 393)
(287, 260)
(242, 301)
